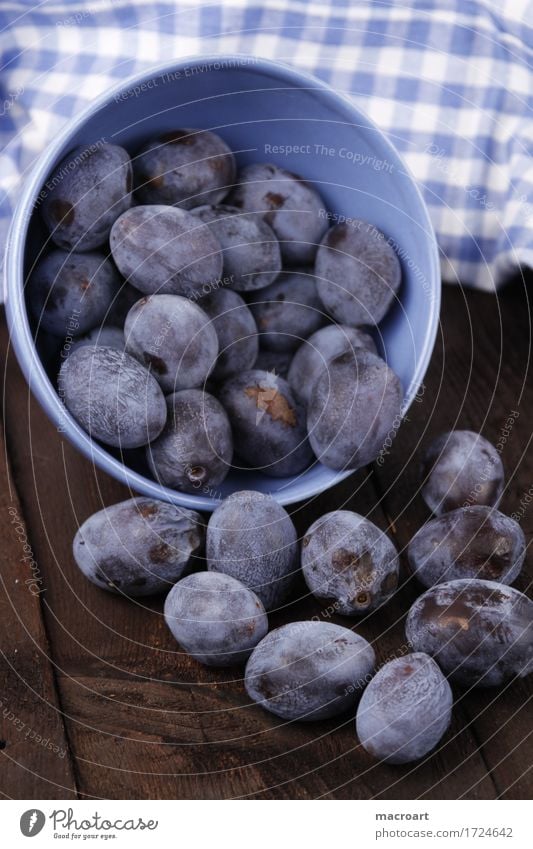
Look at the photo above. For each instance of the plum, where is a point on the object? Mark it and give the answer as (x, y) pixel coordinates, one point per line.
(358, 273)
(70, 293)
(275, 361)
(314, 355)
(268, 423)
(86, 193)
(355, 405)
(108, 336)
(288, 310)
(174, 338)
(250, 248)
(405, 710)
(164, 250)
(236, 331)
(252, 538)
(479, 632)
(140, 546)
(194, 451)
(349, 561)
(469, 542)
(309, 670)
(459, 469)
(184, 167)
(215, 618)
(112, 396)
(289, 204)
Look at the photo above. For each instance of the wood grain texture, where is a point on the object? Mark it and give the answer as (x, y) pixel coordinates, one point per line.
(480, 379)
(146, 721)
(35, 758)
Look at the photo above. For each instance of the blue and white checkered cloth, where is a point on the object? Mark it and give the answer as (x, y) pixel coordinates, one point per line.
(449, 81)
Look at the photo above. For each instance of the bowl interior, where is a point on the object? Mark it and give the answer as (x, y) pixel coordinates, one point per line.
(266, 112)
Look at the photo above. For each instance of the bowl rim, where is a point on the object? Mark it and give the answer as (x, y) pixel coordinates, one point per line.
(19, 328)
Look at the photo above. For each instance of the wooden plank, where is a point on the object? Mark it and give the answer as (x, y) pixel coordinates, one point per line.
(34, 750)
(479, 379)
(147, 721)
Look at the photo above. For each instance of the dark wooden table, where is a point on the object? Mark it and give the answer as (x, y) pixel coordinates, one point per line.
(96, 702)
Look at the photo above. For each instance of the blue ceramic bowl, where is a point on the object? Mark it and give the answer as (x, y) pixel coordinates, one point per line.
(266, 112)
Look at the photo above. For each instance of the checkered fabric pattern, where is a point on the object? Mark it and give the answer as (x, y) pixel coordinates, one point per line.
(449, 81)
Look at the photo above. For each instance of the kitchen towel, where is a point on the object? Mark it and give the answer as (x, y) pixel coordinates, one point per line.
(449, 81)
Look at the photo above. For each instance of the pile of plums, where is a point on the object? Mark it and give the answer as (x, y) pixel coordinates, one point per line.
(213, 317)
(222, 579)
